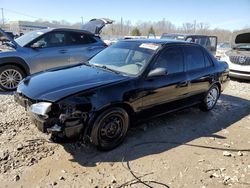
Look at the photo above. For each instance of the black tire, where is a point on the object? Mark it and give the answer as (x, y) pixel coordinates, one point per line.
(212, 95)
(17, 76)
(110, 128)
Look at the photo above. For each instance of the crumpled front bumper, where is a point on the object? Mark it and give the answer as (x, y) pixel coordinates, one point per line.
(70, 128)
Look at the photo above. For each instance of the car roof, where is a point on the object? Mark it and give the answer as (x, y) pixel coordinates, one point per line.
(65, 29)
(185, 35)
(157, 41)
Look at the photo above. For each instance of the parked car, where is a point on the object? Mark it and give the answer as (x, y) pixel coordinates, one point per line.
(208, 42)
(222, 47)
(48, 48)
(238, 58)
(128, 81)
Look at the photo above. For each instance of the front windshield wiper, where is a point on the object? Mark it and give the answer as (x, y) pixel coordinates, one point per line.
(106, 68)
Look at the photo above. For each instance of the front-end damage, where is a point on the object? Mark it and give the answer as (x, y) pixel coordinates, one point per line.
(66, 118)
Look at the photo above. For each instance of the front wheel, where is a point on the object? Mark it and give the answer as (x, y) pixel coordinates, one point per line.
(210, 98)
(10, 76)
(110, 128)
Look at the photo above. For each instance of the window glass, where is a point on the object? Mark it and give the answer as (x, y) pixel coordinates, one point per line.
(54, 39)
(194, 57)
(171, 59)
(213, 41)
(79, 39)
(126, 57)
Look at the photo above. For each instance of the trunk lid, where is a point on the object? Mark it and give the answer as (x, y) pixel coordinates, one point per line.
(96, 25)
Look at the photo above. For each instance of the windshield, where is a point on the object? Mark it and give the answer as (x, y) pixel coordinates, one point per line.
(126, 57)
(28, 37)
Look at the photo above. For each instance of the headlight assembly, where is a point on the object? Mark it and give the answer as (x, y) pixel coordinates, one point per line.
(41, 108)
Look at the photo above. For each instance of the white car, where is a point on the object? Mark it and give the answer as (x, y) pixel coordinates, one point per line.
(238, 58)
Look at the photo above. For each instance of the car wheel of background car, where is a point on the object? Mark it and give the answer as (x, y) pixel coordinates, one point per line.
(10, 76)
(110, 128)
(210, 99)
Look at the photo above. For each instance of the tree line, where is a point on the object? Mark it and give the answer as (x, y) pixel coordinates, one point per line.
(164, 26)
(123, 28)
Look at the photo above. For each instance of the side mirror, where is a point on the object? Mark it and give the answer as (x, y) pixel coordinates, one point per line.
(38, 45)
(157, 72)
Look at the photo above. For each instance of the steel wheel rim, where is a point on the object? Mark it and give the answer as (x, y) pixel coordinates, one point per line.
(10, 78)
(212, 97)
(111, 128)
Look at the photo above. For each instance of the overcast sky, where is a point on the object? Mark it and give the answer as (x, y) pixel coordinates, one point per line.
(227, 14)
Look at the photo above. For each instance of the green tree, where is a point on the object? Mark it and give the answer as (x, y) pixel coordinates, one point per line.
(136, 32)
(151, 31)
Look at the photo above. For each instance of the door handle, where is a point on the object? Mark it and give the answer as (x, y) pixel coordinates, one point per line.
(182, 84)
(63, 51)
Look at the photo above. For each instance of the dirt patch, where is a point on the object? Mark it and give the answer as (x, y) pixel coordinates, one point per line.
(183, 149)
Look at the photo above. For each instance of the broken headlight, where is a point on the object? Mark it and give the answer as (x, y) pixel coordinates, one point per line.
(41, 109)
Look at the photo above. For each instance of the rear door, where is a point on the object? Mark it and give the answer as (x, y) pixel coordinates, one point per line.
(199, 69)
(161, 90)
(82, 46)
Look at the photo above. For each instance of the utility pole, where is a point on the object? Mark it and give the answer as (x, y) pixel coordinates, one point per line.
(194, 26)
(121, 26)
(2, 16)
(82, 20)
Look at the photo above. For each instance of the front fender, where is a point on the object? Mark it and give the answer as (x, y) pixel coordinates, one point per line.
(15, 61)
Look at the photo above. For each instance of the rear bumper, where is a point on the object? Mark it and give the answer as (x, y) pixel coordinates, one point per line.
(239, 74)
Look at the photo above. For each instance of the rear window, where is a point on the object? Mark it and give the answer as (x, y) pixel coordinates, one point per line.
(79, 39)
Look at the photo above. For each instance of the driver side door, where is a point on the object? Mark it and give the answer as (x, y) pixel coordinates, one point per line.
(51, 52)
(163, 90)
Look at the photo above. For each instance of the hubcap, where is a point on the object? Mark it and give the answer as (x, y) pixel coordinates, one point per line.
(111, 128)
(10, 78)
(212, 97)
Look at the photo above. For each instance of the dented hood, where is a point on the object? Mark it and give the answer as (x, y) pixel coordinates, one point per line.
(54, 85)
(95, 25)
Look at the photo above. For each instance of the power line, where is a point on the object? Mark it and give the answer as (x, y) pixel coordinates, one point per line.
(20, 13)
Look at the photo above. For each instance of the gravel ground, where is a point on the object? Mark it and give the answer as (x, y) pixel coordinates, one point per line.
(183, 149)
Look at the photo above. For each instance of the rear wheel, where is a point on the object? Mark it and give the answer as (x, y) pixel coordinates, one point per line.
(210, 99)
(10, 76)
(110, 128)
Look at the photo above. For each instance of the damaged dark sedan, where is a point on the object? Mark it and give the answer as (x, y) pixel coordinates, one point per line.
(129, 81)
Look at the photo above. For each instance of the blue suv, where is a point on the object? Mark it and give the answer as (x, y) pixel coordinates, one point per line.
(45, 49)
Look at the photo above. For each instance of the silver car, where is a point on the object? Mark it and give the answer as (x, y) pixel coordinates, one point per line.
(48, 48)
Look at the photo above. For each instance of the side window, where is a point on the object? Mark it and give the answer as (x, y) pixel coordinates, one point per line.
(79, 39)
(171, 59)
(54, 39)
(194, 58)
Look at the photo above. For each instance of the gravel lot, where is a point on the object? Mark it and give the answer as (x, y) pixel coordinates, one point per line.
(183, 149)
